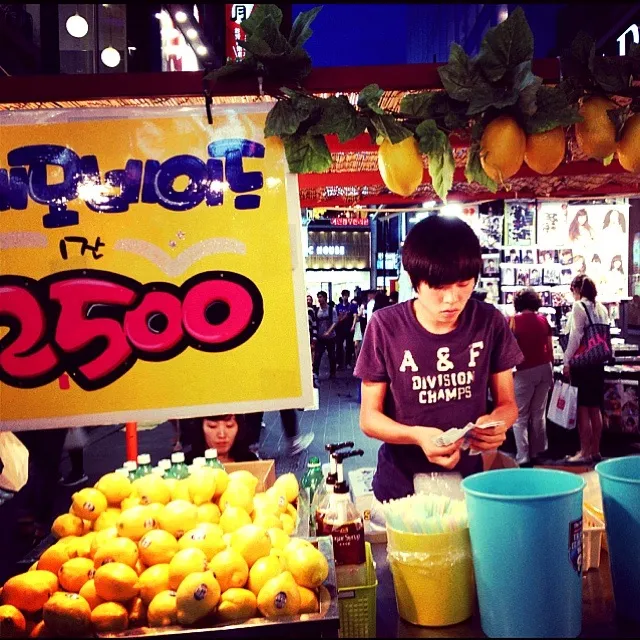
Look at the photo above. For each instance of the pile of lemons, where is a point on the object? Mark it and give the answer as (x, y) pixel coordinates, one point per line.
(159, 552)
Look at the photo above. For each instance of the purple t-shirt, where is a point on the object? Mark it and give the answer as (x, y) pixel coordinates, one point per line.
(434, 381)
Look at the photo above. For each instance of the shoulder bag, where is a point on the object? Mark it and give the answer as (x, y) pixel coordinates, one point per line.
(595, 346)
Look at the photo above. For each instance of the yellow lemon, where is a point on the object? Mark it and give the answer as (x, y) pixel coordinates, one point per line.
(262, 571)
(236, 495)
(279, 539)
(54, 557)
(155, 509)
(135, 522)
(197, 596)
(265, 504)
(179, 489)
(308, 601)
(83, 545)
(288, 483)
(278, 496)
(267, 520)
(116, 582)
(279, 597)
(237, 604)
(186, 561)
(177, 517)
(12, 622)
(596, 134)
(151, 488)
(400, 166)
(245, 478)
(162, 611)
(106, 520)
(209, 513)
(157, 547)
(288, 524)
(202, 485)
(251, 542)
(101, 538)
(110, 617)
(67, 614)
(129, 503)
(502, 148)
(152, 581)
(233, 518)
(29, 591)
(308, 566)
(117, 550)
(67, 525)
(74, 573)
(222, 482)
(628, 147)
(89, 503)
(208, 542)
(230, 569)
(215, 529)
(227, 539)
(545, 151)
(89, 593)
(115, 487)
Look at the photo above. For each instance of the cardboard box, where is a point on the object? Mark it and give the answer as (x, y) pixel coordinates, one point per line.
(264, 470)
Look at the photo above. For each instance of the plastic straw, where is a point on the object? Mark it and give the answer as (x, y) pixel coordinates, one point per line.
(426, 513)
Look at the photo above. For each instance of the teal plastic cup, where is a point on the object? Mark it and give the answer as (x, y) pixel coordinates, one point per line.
(620, 484)
(526, 542)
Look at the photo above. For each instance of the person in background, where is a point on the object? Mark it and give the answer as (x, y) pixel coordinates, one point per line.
(380, 301)
(295, 443)
(327, 320)
(588, 379)
(313, 333)
(75, 442)
(359, 323)
(394, 296)
(310, 304)
(534, 376)
(371, 301)
(228, 434)
(347, 311)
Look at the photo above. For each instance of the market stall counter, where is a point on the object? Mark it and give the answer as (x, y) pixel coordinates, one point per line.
(599, 619)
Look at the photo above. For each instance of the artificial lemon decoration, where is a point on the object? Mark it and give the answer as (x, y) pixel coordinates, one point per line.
(502, 148)
(400, 166)
(230, 569)
(544, 152)
(628, 147)
(596, 134)
(197, 596)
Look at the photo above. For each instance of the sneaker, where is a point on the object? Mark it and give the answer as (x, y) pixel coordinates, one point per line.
(73, 479)
(299, 444)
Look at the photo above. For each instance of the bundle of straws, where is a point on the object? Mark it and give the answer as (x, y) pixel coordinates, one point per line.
(426, 513)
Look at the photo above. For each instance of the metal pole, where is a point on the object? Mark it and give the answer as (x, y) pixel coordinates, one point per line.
(131, 440)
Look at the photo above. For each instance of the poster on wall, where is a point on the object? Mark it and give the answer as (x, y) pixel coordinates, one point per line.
(132, 278)
(552, 230)
(598, 236)
(490, 229)
(520, 222)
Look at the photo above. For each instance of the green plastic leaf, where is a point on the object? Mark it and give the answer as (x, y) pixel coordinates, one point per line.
(441, 168)
(612, 74)
(487, 96)
(261, 11)
(256, 45)
(307, 153)
(527, 85)
(418, 105)
(583, 49)
(474, 171)
(553, 110)
(608, 160)
(506, 45)
(390, 128)
(430, 138)
(339, 117)
(237, 69)
(285, 117)
(369, 98)
(619, 117)
(459, 76)
(300, 31)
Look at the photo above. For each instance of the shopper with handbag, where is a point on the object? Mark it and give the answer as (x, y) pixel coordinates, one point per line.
(588, 350)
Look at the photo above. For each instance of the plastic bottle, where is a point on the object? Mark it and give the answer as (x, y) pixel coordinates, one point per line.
(131, 466)
(345, 525)
(163, 466)
(310, 482)
(325, 489)
(178, 468)
(144, 465)
(211, 458)
(122, 471)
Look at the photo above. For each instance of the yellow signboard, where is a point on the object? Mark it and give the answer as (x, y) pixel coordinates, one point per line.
(150, 268)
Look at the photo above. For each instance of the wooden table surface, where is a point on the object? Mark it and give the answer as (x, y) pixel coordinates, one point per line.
(599, 619)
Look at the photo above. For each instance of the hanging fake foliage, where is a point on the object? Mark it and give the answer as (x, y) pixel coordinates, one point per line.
(493, 102)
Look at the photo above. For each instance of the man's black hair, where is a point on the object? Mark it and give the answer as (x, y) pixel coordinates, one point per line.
(345, 292)
(440, 251)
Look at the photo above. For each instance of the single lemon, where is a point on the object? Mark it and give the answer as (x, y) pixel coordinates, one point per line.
(202, 485)
(233, 518)
(308, 600)
(54, 557)
(197, 596)
(236, 495)
(67, 525)
(89, 593)
(12, 622)
(157, 547)
(278, 496)
(230, 569)
(308, 566)
(115, 487)
(117, 550)
(151, 488)
(279, 597)
(116, 582)
(251, 542)
(177, 517)
(101, 538)
(162, 611)
(129, 503)
(89, 503)
(74, 573)
(207, 541)
(279, 539)
(262, 571)
(237, 604)
(215, 529)
(288, 524)
(67, 614)
(186, 561)
(209, 512)
(288, 483)
(29, 591)
(110, 617)
(222, 482)
(153, 581)
(135, 522)
(179, 489)
(242, 476)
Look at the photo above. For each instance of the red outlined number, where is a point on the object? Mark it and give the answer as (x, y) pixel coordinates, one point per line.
(94, 324)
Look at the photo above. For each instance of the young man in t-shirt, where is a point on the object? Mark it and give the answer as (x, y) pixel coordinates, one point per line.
(426, 364)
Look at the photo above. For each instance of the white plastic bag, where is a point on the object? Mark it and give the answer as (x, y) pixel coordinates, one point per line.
(563, 407)
(15, 460)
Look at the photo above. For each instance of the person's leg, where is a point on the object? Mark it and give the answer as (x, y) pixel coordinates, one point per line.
(538, 431)
(321, 345)
(77, 461)
(524, 389)
(349, 356)
(295, 442)
(595, 418)
(585, 432)
(340, 338)
(331, 352)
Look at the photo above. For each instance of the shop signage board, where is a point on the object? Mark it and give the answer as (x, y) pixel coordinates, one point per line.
(151, 267)
(234, 14)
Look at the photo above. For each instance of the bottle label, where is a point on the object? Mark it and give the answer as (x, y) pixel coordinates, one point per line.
(348, 543)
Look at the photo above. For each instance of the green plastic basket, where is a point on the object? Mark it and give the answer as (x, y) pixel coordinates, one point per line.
(358, 605)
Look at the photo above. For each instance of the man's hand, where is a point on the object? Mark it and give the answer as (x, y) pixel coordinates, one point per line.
(325, 335)
(488, 439)
(447, 457)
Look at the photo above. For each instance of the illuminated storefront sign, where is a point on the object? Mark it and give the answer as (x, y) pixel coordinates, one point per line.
(338, 250)
(234, 15)
(622, 40)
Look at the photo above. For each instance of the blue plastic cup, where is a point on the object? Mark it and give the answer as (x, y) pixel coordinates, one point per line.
(620, 484)
(526, 541)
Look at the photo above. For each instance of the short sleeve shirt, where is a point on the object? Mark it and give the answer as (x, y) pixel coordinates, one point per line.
(435, 380)
(325, 318)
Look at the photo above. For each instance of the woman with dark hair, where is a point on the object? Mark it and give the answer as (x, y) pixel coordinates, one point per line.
(228, 434)
(533, 377)
(588, 379)
(580, 230)
(380, 301)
